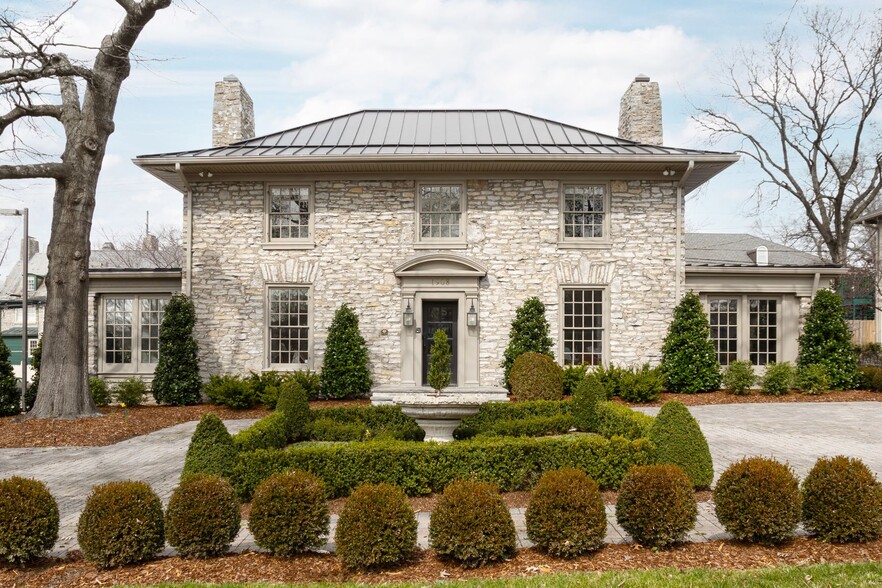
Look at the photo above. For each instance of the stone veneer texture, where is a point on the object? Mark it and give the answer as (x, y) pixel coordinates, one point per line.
(364, 229)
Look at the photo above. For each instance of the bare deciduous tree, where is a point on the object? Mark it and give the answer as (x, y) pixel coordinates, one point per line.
(161, 248)
(806, 113)
(34, 65)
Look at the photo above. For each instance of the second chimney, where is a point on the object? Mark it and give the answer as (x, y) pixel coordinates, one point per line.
(640, 112)
(232, 119)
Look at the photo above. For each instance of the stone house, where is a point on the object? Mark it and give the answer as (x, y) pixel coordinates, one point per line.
(428, 219)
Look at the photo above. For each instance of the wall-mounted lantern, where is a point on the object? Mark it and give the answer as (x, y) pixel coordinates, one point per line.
(472, 316)
(407, 317)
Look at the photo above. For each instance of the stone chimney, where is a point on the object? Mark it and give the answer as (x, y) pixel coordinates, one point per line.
(33, 247)
(233, 116)
(150, 243)
(640, 112)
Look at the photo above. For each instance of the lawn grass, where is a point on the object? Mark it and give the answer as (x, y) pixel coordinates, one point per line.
(861, 574)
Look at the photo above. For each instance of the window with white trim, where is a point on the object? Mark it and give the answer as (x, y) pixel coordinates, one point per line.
(290, 211)
(288, 325)
(441, 213)
(584, 212)
(131, 332)
(583, 326)
(744, 327)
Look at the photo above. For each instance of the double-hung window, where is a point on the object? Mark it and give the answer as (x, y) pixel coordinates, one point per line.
(441, 215)
(288, 326)
(744, 327)
(290, 212)
(131, 333)
(584, 216)
(584, 326)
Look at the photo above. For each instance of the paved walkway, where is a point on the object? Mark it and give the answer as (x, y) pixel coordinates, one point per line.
(796, 433)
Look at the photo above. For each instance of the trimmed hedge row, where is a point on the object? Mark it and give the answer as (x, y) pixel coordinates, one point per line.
(511, 464)
(516, 419)
(360, 423)
(611, 418)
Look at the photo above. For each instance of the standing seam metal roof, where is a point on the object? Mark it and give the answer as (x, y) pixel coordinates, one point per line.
(441, 132)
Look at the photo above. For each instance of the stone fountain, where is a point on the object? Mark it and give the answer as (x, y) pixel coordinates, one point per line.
(438, 414)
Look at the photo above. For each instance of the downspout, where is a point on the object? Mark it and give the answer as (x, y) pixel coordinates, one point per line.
(678, 250)
(188, 240)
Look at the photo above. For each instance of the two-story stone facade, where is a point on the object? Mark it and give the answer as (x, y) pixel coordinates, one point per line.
(433, 219)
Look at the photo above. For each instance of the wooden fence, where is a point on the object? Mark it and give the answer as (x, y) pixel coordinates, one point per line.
(862, 332)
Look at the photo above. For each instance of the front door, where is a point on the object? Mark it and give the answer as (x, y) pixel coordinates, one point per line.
(439, 314)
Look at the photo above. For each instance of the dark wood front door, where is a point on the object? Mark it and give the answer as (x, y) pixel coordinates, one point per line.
(439, 314)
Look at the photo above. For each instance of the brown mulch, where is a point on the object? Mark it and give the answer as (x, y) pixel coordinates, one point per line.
(118, 424)
(425, 567)
(722, 397)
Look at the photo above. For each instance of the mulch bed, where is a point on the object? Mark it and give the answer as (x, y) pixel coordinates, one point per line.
(120, 424)
(425, 567)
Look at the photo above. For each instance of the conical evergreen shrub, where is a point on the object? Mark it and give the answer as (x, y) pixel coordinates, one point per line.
(689, 359)
(439, 361)
(176, 380)
(678, 440)
(10, 393)
(826, 341)
(529, 332)
(345, 371)
(211, 449)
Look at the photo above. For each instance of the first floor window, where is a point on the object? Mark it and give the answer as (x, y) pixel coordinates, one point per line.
(131, 332)
(289, 325)
(583, 326)
(744, 327)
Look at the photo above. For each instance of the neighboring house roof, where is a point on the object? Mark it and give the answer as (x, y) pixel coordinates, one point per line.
(16, 332)
(374, 136)
(38, 265)
(739, 249)
(131, 259)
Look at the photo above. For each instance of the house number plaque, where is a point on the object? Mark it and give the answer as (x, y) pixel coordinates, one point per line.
(440, 281)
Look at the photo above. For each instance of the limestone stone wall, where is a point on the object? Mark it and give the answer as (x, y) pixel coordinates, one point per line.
(364, 229)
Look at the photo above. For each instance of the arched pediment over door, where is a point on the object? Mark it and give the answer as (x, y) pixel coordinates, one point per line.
(446, 283)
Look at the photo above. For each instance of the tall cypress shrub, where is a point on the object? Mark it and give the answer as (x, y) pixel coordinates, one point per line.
(345, 372)
(529, 332)
(176, 380)
(439, 361)
(10, 393)
(826, 341)
(689, 359)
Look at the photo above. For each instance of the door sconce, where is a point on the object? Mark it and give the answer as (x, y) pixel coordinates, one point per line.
(472, 316)
(408, 316)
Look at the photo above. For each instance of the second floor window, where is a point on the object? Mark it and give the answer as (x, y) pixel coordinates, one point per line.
(441, 213)
(290, 209)
(584, 212)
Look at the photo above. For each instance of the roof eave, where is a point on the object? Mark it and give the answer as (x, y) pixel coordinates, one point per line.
(753, 269)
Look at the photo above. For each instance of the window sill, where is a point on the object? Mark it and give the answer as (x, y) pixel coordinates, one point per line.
(286, 367)
(288, 245)
(441, 245)
(584, 244)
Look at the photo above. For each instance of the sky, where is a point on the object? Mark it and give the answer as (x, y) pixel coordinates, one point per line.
(307, 60)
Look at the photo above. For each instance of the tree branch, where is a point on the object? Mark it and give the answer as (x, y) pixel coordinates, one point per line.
(22, 111)
(33, 170)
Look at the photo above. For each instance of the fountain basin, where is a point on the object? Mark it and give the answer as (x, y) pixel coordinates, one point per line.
(439, 415)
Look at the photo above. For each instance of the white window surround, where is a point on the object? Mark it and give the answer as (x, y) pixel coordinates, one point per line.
(271, 242)
(582, 242)
(268, 335)
(564, 352)
(456, 242)
(744, 336)
(137, 353)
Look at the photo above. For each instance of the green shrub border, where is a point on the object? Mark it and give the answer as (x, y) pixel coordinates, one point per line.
(423, 468)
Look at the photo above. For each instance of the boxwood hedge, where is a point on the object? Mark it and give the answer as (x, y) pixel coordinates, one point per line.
(517, 419)
(423, 468)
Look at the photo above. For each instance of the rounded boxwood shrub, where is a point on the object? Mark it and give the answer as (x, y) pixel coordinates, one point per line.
(289, 513)
(871, 378)
(826, 340)
(472, 525)
(778, 379)
(211, 449)
(233, 391)
(99, 390)
(535, 376)
(813, 379)
(28, 519)
(130, 391)
(656, 505)
(176, 380)
(757, 500)
(641, 385)
(294, 406)
(203, 516)
(842, 501)
(566, 516)
(572, 377)
(345, 372)
(121, 524)
(588, 393)
(739, 377)
(678, 440)
(689, 358)
(376, 528)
